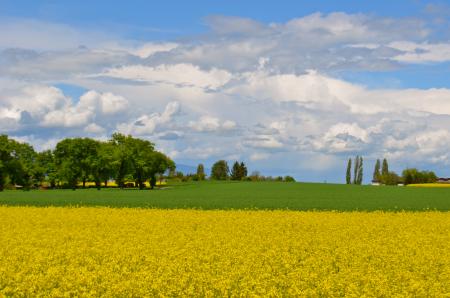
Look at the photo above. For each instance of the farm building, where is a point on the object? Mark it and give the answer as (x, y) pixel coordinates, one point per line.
(443, 180)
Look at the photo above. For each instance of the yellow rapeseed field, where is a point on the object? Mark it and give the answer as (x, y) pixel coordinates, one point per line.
(430, 185)
(141, 252)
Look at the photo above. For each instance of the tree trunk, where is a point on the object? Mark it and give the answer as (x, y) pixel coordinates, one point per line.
(98, 184)
(152, 181)
(2, 182)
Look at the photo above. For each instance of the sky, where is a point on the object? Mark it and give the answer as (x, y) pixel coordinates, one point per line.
(289, 87)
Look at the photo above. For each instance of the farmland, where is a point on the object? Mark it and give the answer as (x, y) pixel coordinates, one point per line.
(141, 252)
(244, 195)
(226, 239)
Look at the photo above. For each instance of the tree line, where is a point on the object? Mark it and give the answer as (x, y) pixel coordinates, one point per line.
(239, 172)
(382, 174)
(409, 175)
(79, 160)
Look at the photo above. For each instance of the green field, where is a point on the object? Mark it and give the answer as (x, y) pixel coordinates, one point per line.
(244, 195)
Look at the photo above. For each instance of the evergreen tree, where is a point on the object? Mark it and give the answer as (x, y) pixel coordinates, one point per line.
(244, 171)
(348, 175)
(376, 172)
(236, 171)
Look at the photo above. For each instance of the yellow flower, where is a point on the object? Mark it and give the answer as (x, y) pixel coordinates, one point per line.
(145, 252)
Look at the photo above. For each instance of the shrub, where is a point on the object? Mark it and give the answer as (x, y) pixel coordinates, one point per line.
(289, 179)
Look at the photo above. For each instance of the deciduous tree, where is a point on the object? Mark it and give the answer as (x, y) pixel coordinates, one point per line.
(201, 172)
(220, 170)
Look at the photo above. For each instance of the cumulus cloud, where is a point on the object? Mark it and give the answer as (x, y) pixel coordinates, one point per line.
(148, 124)
(47, 106)
(107, 103)
(90, 104)
(343, 137)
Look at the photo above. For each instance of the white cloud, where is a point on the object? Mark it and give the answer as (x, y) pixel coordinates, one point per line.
(147, 124)
(421, 52)
(37, 100)
(70, 117)
(178, 74)
(259, 156)
(263, 142)
(149, 49)
(211, 124)
(48, 106)
(94, 129)
(90, 104)
(201, 152)
(317, 91)
(342, 137)
(107, 102)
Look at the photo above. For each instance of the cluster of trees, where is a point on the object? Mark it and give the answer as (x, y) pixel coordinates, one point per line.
(357, 171)
(383, 175)
(256, 176)
(221, 171)
(239, 171)
(411, 176)
(76, 160)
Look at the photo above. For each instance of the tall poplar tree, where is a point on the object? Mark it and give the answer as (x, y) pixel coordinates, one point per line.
(355, 170)
(359, 178)
(348, 175)
(385, 168)
(376, 171)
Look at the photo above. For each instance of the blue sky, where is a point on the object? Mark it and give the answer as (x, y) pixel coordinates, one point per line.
(290, 87)
(170, 19)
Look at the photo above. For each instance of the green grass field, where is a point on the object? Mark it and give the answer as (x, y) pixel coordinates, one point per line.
(244, 195)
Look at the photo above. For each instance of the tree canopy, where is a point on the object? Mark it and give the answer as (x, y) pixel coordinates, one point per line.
(78, 160)
(239, 171)
(220, 170)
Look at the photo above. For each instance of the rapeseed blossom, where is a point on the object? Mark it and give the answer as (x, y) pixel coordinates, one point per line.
(148, 252)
